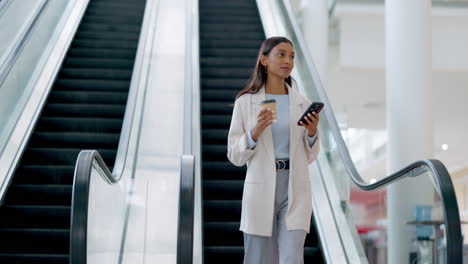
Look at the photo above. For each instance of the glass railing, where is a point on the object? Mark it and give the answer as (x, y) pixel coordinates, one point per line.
(33, 42)
(434, 227)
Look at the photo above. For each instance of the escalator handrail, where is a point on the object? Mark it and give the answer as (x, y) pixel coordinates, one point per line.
(131, 130)
(435, 167)
(186, 210)
(79, 220)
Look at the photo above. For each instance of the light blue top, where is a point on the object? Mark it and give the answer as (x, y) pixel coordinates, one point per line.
(281, 128)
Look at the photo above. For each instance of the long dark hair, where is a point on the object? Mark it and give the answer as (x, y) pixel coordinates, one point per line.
(259, 75)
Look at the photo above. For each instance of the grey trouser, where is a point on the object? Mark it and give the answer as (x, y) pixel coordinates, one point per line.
(284, 247)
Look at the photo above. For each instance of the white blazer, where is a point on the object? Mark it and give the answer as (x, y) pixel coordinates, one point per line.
(260, 180)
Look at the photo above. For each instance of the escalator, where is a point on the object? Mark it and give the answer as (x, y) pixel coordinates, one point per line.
(84, 110)
(231, 34)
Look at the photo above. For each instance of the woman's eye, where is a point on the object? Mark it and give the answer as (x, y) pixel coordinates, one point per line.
(292, 57)
(280, 54)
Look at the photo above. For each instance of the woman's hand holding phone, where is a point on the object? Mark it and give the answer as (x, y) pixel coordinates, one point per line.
(264, 119)
(311, 123)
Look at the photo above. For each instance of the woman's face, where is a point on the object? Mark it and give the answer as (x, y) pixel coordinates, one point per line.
(280, 60)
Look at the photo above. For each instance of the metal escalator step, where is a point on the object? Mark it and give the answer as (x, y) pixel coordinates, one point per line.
(96, 74)
(219, 95)
(232, 36)
(22, 258)
(104, 44)
(221, 210)
(88, 97)
(246, 63)
(92, 84)
(222, 170)
(224, 72)
(217, 43)
(75, 139)
(109, 27)
(108, 63)
(215, 152)
(107, 36)
(236, 84)
(223, 233)
(215, 136)
(217, 27)
(44, 174)
(216, 121)
(39, 194)
(34, 216)
(222, 108)
(80, 124)
(223, 189)
(60, 156)
(84, 110)
(102, 53)
(226, 254)
(38, 241)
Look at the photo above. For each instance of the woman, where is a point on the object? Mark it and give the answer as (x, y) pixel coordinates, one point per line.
(276, 202)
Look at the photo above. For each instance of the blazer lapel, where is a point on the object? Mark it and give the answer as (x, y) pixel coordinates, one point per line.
(295, 111)
(266, 138)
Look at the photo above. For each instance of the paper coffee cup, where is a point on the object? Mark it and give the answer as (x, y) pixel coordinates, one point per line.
(271, 104)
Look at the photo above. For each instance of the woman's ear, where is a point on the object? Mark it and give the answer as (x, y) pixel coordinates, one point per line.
(264, 60)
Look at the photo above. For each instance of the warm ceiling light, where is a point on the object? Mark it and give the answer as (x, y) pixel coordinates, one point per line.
(444, 147)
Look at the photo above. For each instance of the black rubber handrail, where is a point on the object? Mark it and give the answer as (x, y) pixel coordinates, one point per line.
(435, 168)
(80, 198)
(186, 210)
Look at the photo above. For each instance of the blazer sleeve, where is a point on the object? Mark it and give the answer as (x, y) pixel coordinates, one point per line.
(312, 151)
(238, 146)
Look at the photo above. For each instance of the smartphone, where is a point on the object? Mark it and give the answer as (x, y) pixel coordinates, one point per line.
(314, 107)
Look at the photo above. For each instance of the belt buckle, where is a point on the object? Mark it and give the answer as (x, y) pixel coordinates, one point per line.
(278, 164)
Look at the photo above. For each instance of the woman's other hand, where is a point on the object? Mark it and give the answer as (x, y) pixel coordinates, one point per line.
(264, 119)
(312, 122)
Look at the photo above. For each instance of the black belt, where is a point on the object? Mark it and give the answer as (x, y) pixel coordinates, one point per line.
(282, 165)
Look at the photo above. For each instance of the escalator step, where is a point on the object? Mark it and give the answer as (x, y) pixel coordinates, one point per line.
(44, 174)
(223, 189)
(214, 152)
(220, 72)
(101, 53)
(228, 254)
(73, 139)
(220, 62)
(219, 95)
(223, 233)
(22, 258)
(89, 97)
(80, 124)
(215, 136)
(99, 63)
(96, 74)
(220, 108)
(223, 170)
(221, 210)
(39, 194)
(216, 43)
(84, 110)
(35, 241)
(33, 216)
(105, 44)
(60, 156)
(226, 83)
(232, 35)
(229, 52)
(92, 85)
(107, 36)
(216, 121)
